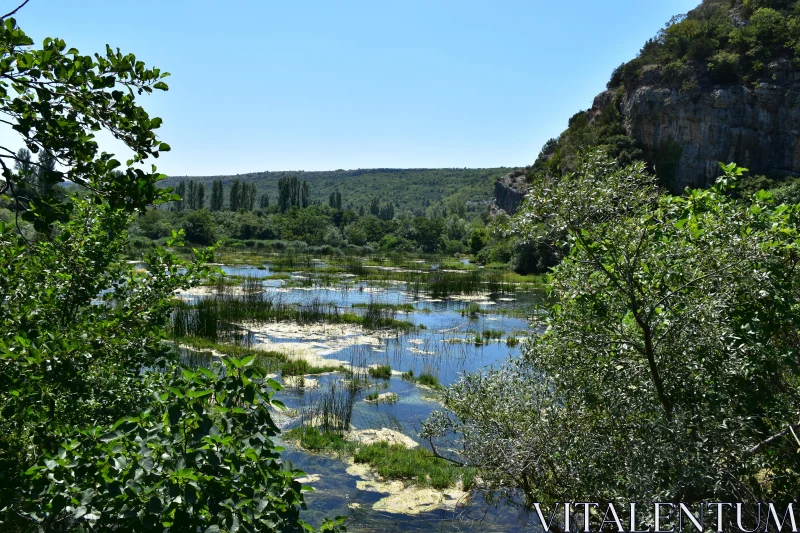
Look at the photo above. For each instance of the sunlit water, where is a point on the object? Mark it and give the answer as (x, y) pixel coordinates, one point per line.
(445, 347)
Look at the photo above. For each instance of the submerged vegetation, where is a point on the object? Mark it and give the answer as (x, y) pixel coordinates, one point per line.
(229, 310)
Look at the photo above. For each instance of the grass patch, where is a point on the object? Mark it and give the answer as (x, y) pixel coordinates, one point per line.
(278, 275)
(380, 372)
(215, 318)
(266, 360)
(429, 380)
(417, 465)
(425, 379)
(492, 334)
(403, 308)
(512, 341)
(472, 311)
(301, 367)
(312, 439)
(376, 397)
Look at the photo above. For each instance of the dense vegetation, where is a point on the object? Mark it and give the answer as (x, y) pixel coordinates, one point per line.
(415, 192)
(720, 41)
(672, 344)
(327, 227)
(101, 429)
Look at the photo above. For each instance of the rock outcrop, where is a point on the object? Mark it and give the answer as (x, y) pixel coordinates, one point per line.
(685, 133)
(509, 192)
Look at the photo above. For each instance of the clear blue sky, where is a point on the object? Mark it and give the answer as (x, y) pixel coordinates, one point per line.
(313, 85)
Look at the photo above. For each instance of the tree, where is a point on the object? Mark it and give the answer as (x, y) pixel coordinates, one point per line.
(199, 196)
(249, 192)
(673, 343)
(45, 173)
(335, 199)
(180, 192)
(191, 197)
(199, 227)
(292, 193)
(304, 197)
(101, 429)
(47, 91)
(263, 201)
(478, 239)
(236, 195)
(217, 199)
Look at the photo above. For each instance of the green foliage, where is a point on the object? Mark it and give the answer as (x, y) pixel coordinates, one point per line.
(335, 200)
(477, 239)
(714, 35)
(672, 341)
(42, 89)
(291, 193)
(101, 430)
(301, 367)
(380, 371)
(605, 131)
(217, 198)
(199, 227)
(412, 192)
(243, 196)
(312, 439)
(417, 465)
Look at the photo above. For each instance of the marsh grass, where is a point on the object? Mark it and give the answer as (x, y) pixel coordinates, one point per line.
(216, 318)
(330, 410)
(314, 440)
(301, 367)
(269, 361)
(417, 465)
(402, 308)
(426, 379)
(380, 371)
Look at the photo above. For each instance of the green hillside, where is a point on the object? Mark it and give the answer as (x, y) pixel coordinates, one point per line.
(418, 190)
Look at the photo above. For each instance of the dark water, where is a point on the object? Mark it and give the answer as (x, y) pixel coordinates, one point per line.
(444, 348)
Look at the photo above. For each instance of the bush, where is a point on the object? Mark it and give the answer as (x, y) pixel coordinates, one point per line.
(199, 227)
(723, 67)
(700, 359)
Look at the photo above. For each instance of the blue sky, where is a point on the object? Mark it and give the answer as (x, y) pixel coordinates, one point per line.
(306, 85)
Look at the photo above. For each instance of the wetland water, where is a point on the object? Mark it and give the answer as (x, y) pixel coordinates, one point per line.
(443, 344)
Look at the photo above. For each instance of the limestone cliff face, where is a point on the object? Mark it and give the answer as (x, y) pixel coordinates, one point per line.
(685, 133)
(509, 192)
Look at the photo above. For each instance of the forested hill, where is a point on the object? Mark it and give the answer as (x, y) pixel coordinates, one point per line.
(419, 190)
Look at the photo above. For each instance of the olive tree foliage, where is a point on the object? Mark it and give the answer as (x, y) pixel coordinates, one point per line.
(667, 368)
(101, 428)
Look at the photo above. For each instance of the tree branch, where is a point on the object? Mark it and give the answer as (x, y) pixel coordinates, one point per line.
(17, 9)
(440, 456)
(770, 440)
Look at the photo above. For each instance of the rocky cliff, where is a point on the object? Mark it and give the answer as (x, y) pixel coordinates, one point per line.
(719, 84)
(509, 192)
(685, 133)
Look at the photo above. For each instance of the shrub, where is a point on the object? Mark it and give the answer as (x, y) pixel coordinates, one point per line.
(723, 67)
